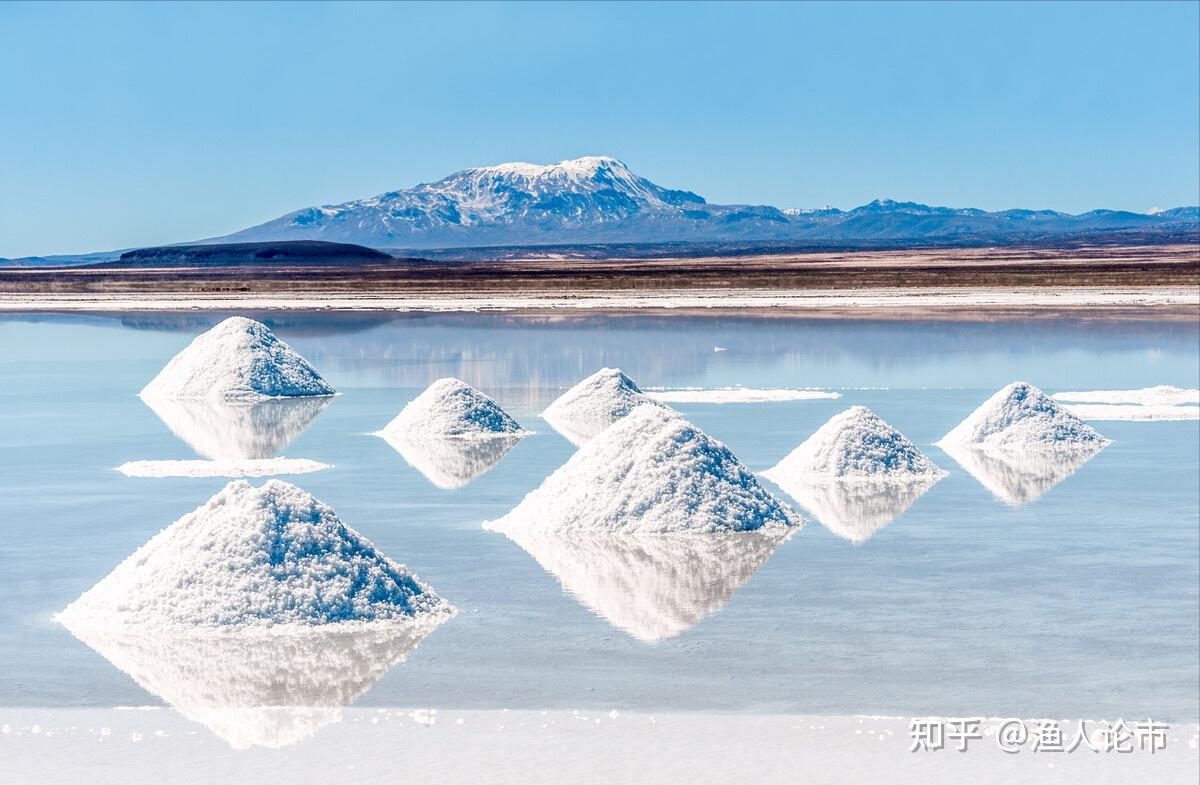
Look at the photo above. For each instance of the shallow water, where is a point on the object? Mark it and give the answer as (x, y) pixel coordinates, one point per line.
(1083, 600)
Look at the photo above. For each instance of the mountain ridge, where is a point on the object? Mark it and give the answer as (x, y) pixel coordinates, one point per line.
(598, 199)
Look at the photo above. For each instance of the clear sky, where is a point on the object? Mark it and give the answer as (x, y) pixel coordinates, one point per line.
(126, 125)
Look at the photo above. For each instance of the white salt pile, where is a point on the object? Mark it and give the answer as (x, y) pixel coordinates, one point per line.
(650, 472)
(260, 687)
(254, 557)
(449, 408)
(1161, 395)
(722, 395)
(1020, 417)
(594, 404)
(238, 359)
(855, 444)
(652, 586)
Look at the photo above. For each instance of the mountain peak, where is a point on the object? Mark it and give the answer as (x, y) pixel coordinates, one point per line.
(587, 166)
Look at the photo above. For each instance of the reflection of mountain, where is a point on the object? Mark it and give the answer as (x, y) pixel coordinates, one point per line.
(260, 688)
(227, 430)
(856, 509)
(1020, 478)
(652, 586)
(451, 462)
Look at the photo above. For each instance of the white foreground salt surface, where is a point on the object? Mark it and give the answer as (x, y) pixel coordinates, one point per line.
(594, 404)
(652, 586)
(253, 558)
(650, 472)
(238, 359)
(737, 395)
(450, 408)
(449, 746)
(1161, 395)
(262, 467)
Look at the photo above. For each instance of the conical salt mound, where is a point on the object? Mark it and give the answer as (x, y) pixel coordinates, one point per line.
(450, 408)
(594, 404)
(253, 557)
(651, 472)
(238, 359)
(856, 444)
(1022, 417)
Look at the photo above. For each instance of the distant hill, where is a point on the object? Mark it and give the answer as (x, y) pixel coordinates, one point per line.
(287, 252)
(598, 200)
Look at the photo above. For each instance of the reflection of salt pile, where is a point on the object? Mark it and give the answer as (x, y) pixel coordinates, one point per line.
(267, 688)
(856, 473)
(1020, 443)
(255, 557)
(651, 472)
(240, 359)
(258, 614)
(652, 586)
(452, 433)
(594, 404)
(651, 524)
(237, 438)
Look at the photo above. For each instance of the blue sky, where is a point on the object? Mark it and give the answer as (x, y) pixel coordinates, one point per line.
(128, 125)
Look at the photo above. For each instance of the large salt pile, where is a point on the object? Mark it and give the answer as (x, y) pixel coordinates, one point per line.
(1021, 417)
(238, 359)
(260, 687)
(452, 433)
(594, 404)
(449, 408)
(856, 444)
(1020, 443)
(651, 472)
(652, 586)
(254, 557)
(856, 473)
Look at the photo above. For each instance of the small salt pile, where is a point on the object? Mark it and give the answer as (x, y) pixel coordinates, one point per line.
(238, 359)
(594, 404)
(1018, 418)
(856, 444)
(649, 473)
(255, 557)
(452, 409)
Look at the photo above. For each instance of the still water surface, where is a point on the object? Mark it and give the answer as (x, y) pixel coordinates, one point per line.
(1082, 601)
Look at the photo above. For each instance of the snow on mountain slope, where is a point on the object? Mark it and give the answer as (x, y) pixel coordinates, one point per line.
(598, 199)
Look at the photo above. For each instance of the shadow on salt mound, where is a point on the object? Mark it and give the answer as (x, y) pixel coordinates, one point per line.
(595, 403)
(1018, 478)
(238, 359)
(856, 510)
(266, 688)
(237, 430)
(451, 463)
(651, 586)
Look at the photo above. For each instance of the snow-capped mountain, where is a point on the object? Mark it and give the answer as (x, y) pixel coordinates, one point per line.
(598, 199)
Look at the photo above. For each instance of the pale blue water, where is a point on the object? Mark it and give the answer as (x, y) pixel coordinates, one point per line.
(1085, 602)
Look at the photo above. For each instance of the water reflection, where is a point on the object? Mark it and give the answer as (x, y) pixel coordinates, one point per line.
(856, 510)
(228, 430)
(451, 463)
(652, 587)
(1020, 478)
(268, 688)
